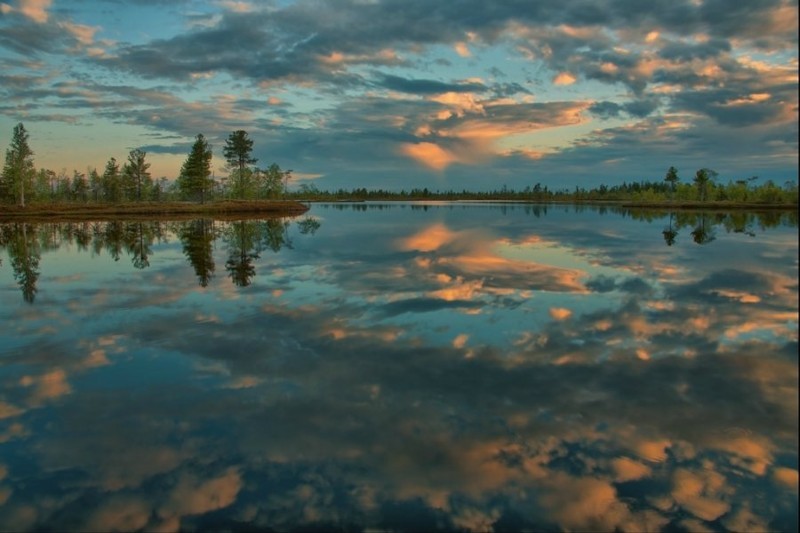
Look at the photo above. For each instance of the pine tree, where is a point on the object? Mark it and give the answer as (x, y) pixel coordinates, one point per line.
(194, 179)
(237, 151)
(672, 179)
(18, 170)
(111, 181)
(137, 177)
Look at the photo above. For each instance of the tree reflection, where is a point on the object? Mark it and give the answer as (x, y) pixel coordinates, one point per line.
(197, 238)
(24, 254)
(275, 234)
(138, 239)
(246, 240)
(308, 226)
(703, 232)
(669, 232)
(739, 223)
(112, 239)
(243, 250)
(703, 224)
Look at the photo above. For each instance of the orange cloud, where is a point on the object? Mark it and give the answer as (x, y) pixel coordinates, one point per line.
(124, 513)
(564, 78)
(696, 493)
(83, 33)
(430, 239)
(237, 7)
(559, 313)
(788, 477)
(483, 263)
(749, 452)
(386, 56)
(584, 503)
(461, 102)
(429, 154)
(48, 386)
(193, 496)
(626, 469)
(460, 341)
(462, 49)
(461, 290)
(7, 410)
(655, 451)
(35, 10)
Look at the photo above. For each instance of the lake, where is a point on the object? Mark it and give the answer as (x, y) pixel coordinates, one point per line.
(402, 367)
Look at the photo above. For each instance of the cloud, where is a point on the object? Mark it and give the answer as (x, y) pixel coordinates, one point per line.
(120, 513)
(626, 469)
(36, 10)
(47, 386)
(429, 154)
(685, 63)
(460, 341)
(426, 305)
(560, 313)
(193, 495)
(787, 477)
(564, 78)
(584, 503)
(8, 411)
(418, 86)
(462, 49)
(698, 493)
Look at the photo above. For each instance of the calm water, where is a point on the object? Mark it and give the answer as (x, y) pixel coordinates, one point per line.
(453, 367)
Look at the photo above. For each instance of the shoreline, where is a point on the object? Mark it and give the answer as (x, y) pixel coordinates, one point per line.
(627, 204)
(90, 211)
(281, 208)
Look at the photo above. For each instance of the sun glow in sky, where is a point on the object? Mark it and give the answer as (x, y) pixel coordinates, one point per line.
(411, 93)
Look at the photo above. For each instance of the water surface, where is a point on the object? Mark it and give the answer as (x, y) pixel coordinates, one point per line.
(404, 367)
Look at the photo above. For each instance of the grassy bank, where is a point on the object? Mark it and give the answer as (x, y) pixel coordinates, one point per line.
(95, 211)
(721, 205)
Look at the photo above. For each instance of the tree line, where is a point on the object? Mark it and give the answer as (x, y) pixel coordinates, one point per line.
(21, 182)
(131, 181)
(702, 188)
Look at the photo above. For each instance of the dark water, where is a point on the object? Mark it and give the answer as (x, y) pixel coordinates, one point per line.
(399, 367)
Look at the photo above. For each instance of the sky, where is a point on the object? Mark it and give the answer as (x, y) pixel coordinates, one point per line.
(397, 94)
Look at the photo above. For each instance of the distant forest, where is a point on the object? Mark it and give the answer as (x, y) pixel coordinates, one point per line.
(131, 181)
(733, 192)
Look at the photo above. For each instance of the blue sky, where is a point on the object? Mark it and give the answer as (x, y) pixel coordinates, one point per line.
(411, 93)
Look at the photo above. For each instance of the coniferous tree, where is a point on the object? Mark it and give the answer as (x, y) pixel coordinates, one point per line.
(194, 180)
(237, 150)
(18, 170)
(112, 186)
(79, 187)
(701, 180)
(43, 184)
(137, 178)
(672, 179)
(95, 184)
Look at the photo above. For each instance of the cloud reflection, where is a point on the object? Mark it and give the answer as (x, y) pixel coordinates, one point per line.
(356, 407)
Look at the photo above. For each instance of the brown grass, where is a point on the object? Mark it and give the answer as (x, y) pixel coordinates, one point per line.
(710, 205)
(93, 211)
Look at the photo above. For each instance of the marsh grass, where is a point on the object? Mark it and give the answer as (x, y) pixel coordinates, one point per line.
(95, 211)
